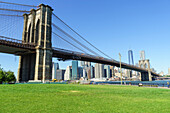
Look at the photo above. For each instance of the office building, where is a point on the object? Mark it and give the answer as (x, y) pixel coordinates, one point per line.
(68, 73)
(80, 72)
(128, 73)
(112, 71)
(86, 69)
(75, 75)
(99, 70)
(107, 68)
(55, 66)
(130, 57)
(92, 72)
(60, 74)
(82, 63)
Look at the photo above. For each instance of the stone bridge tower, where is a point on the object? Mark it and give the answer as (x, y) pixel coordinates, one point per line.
(145, 76)
(37, 29)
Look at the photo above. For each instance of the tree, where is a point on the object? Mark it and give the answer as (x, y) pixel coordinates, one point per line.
(2, 76)
(10, 76)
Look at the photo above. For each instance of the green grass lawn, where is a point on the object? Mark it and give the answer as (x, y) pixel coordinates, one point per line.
(68, 98)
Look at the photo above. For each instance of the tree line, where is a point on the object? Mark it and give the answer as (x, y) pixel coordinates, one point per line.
(6, 76)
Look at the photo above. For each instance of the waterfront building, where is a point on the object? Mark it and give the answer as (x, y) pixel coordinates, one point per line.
(128, 73)
(55, 66)
(112, 71)
(68, 73)
(60, 74)
(99, 70)
(92, 72)
(86, 69)
(107, 68)
(75, 75)
(84, 73)
(80, 72)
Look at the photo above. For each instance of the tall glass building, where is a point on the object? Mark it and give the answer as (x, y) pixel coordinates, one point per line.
(55, 66)
(99, 70)
(107, 67)
(75, 70)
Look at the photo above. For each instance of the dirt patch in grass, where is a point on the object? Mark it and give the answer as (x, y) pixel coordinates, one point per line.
(74, 91)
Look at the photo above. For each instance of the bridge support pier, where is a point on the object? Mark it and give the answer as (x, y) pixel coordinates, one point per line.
(26, 67)
(37, 30)
(43, 67)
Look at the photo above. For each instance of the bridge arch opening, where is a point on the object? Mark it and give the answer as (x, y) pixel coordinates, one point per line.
(37, 31)
(146, 66)
(29, 29)
(141, 66)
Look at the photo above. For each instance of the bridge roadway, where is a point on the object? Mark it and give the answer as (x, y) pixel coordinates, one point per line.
(18, 47)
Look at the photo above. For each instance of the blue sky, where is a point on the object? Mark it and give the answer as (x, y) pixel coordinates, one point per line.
(114, 26)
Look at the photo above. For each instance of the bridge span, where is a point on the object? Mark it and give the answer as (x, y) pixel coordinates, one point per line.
(19, 47)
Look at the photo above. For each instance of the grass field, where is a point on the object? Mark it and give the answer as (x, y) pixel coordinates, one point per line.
(67, 98)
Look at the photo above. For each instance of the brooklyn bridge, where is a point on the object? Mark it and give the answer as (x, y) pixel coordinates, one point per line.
(37, 45)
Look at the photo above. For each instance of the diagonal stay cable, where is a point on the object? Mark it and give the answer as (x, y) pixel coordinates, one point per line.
(13, 10)
(11, 15)
(18, 4)
(81, 36)
(75, 40)
(68, 41)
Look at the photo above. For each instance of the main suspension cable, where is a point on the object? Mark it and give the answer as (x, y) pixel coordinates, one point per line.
(13, 10)
(18, 4)
(68, 41)
(75, 40)
(11, 15)
(81, 36)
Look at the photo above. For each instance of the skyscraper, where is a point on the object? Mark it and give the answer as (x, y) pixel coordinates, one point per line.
(55, 66)
(68, 73)
(142, 55)
(82, 63)
(75, 74)
(131, 61)
(97, 75)
(112, 71)
(130, 57)
(92, 72)
(60, 74)
(107, 67)
(86, 69)
(99, 70)
(80, 71)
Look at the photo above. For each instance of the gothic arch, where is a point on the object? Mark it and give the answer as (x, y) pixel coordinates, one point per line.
(29, 33)
(37, 31)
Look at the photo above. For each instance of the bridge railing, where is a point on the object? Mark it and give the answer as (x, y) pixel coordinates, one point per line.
(16, 41)
(74, 52)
